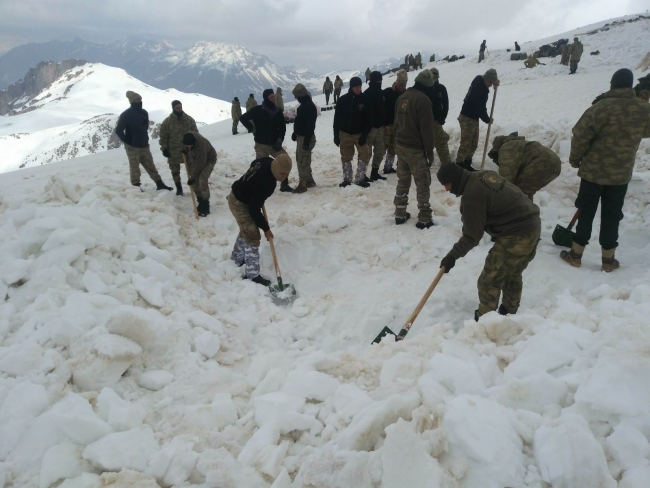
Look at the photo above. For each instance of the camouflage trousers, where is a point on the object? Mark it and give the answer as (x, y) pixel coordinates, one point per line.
(389, 139)
(413, 162)
(565, 59)
(375, 142)
(265, 150)
(248, 229)
(337, 94)
(140, 156)
(347, 145)
(481, 56)
(327, 97)
(245, 254)
(504, 265)
(574, 66)
(235, 123)
(201, 186)
(468, 138)
(303, 158)
(440, 141)
(175, 161)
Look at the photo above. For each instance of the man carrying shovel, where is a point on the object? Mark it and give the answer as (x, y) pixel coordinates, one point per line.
(246, 201)
(202, 158)
(490, 203)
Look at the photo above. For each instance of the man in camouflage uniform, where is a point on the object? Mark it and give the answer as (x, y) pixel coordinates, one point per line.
(328, 88)
(411, 62)
(375, 97)
(338, 86)
(575, 53)
(304, 128)
(202, 158)
(481, 52)
(279, 101)
(250, 104)
(490, 203)
(603, 148)
(440, 103)
(368, 75)
(235, 112)
(527, 164)
(390, 99)
(532, 62)
(418, 61)
(414, 145)
(474, 108)
(564, 50)
(171, 140)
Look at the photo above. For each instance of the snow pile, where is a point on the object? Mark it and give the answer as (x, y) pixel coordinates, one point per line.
(133, 354)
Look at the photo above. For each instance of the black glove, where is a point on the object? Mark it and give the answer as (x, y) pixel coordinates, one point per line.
(165, 152)
(278, 145)
(448, 262)
(191, 181)
(442, 122)
(362, 140)
(294, 137)
(337, 140)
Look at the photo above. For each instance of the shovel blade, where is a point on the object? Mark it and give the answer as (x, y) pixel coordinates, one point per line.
(384, 332)
(283, 291)
(563, 236)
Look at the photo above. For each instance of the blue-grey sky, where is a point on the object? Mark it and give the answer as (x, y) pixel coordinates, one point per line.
(319, 34)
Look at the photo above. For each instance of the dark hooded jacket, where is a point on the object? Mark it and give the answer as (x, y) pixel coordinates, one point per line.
(352, 114)
(390, 99)
(257, 184)
(375, 96)
(133, 126)
(305, 123)
(440, 102)
(475, 103)
(269, 123)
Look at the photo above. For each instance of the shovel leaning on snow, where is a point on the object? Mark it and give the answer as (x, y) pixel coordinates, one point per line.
(414, 315)
(564, 236)
(280, 291)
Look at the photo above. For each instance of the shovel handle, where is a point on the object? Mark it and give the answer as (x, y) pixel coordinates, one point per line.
(487, 137)
(574, 219)
(418, 309)
(187, 168)
(275, 257)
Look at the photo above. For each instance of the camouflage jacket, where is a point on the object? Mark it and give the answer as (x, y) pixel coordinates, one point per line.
(235, 110)
(527, 164)
(531, 62)
(328, 86)
(418, 58)
(250, 103)
(576, 50)
(607, 136)
(172, 131)
(201, 155)
(338, 83)
(279, 102)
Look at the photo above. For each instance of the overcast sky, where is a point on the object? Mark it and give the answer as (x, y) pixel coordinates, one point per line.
(322, 35)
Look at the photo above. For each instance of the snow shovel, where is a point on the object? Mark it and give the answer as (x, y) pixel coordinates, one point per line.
(487, 137)
(414, 315)
(563, 236)
(280, 291)
(187, 168)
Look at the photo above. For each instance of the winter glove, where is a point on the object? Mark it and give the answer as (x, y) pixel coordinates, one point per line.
(574, 164)
(430, 159)
(448, 262)
(362, 140)
(165, 152)
(442, 122)
(337, 140)
(278, 145)
(294, 137)
(191, 181)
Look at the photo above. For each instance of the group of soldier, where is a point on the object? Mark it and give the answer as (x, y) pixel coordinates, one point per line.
(384, 123)
(411, 63)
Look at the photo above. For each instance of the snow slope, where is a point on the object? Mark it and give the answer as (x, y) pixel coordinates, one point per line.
(133, 354)
(76, 115)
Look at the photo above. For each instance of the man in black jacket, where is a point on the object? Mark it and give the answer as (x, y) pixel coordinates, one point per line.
(379, 124)
(481, 51)
(474, 108)
(390, 98)
(352, 124)
(133, 130)
(303, 133)
(246, 201)
(440, 102)
(267, 121)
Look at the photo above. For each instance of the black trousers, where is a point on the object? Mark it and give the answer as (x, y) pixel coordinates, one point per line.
(611, 200)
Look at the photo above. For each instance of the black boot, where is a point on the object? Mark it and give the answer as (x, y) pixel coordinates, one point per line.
(199, 205)
(401, 220)
(285, 185)
(476, 315)
(204, 211)
(364, 183)
(161, 186)
(179, 189)
(374, 175)
(422, 225)
(502, 310)
(260, 280)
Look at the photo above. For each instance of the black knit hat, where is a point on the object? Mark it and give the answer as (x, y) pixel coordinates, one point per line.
(176, 102)
(189, 139)
(355, 81)
(236, 99)
(450, 173)
(266, 93)
(375, 76)
(623, 78)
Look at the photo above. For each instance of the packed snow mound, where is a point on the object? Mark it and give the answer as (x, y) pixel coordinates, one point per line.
(133, 354)
(77, 113)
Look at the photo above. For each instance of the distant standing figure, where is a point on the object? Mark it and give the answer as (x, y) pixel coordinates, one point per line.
(440, 102)
(279, 102)
(202, 158)
(375, 97)
(418, 61)
(303, 133)
(390, 99)
(250, 104)
(172, 131)
(235, 112)
(368, 75)
(338, 86)
(328, 87)
(576, 53)
(481, 51)
(517, 48)
(411, 62)
(564, 51)
(133, 130)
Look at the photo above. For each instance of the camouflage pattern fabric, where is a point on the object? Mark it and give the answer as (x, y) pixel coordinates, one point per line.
(390, 161)
(201, 186)
(238, 253)
(504, 265)
(337, 94)
(347, 172)
(235, 112)
(338, 84)
(265, 150)
(565, 55)
(250, 103)
(531, 62)
(347, 145)
(389, 140)
(607, 137)
(575, 51)
(468, 139)
(248, 230)
(573, 66)
(303, 158)
(413, 163)
(171, 138)
(441, 142)
(279, 101)
(251, 260)
(328, 86)
(140, 156)
(375, 143)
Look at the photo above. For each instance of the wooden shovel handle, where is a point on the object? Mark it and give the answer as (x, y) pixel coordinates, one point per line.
(187, 168)
(418, 309)
(487, 137)
(573, 220)
(275, 257)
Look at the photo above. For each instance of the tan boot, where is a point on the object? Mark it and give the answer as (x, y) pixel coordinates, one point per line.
(302, 187)
(573, 256)
(610, 263)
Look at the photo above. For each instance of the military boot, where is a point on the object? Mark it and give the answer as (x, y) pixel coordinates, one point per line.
(467, 165)
(574, 255)
(401, 220)
(311, 183)
(199, 205)
(302, 187)
(424, 225)
(161, 186)
(285, 185)
(610, 263)
(388, 164)
(374, 175)
(179, 189)
(260, 280)
(204, 211)
(502, 310)
(361, 179)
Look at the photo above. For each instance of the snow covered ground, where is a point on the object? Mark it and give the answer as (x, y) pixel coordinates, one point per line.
(133, 354)
(76, 115)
